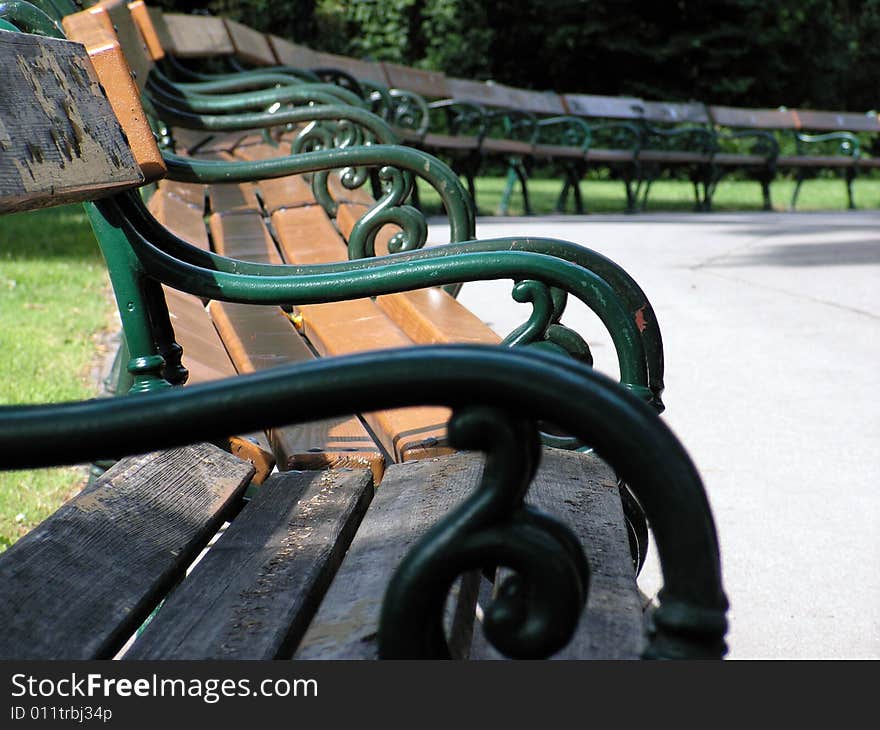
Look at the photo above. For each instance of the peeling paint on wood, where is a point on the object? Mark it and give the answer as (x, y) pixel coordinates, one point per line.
(61, 141)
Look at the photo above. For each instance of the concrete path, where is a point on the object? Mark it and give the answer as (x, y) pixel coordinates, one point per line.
(772, 345)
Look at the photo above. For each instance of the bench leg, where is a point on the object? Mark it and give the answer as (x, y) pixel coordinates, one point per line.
(797, 190)
(765, 191)
(166, 345)
(145, 365)
(504, 206)
(849, 177)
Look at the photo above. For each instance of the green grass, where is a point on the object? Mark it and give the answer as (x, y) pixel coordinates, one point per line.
(607, 196)
(53, 302)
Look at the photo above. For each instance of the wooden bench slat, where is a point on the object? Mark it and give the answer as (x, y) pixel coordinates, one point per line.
(75, 148)
(197, 36)
(431, 84)
(243, 236)
(80, 583)
(292, 54)
(576, 488)
(122, 81)
(184, 220)
(581, 491)
(250, 45)
(257, 588)
(411, 499)
(258, 338)
(206, 359)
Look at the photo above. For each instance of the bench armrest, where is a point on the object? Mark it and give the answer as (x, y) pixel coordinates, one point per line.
(846, 142)
(689, 138)
(762, 142)
(409, 111)
(569, 130)
(514, 124)
(617, 135)
(462, 117)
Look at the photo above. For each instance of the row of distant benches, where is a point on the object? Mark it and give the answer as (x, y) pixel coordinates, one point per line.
(468, 122)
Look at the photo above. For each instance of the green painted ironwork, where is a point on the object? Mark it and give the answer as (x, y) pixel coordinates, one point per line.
(690, 621)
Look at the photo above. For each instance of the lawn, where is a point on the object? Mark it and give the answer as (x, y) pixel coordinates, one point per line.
(55, 303)
(607, 196)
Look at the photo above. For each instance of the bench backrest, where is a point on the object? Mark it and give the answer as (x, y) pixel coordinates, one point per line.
(489, 93)
(356, 67)
(430, 84)
(250, 45)
(60, 139)
(824, 121)
(292, 54)
(604, 107)
(94, 28)
(198, 36)
(675, 112)
(727, 116)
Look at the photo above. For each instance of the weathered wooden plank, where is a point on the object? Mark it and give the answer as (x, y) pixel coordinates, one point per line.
(292, 54)
(258, 338)
(257, 588)
(60, 141)
(728, 116)
(581, 491)
(79, 584)
(825, 121)
(197, 36)
(610, 107)
(411, 499)
(678, 113)
(95, 30)
(250, 45)
(431, 84)
(356, 67)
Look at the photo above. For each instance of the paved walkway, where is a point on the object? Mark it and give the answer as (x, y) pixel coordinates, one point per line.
(772, 347)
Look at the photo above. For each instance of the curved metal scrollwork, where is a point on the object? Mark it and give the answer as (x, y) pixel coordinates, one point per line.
(390, 209)
(536, 609)
(543, 327)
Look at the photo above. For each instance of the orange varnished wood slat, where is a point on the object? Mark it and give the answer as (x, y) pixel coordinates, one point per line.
(243, 236)
(349, 213)
(341, 328)
(123, 94)
(206, 359)
(151, 25)
(184, 220)
(192, 193)
(280, 192)
(428, 316)
(259, 338)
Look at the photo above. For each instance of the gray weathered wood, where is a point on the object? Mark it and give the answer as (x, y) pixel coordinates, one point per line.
(581, 491)
(256, 589)
(78, 585)
(412, 497)
(59, 139)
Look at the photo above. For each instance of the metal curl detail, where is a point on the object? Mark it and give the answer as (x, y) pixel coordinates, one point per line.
(390, 210)
(537, 609)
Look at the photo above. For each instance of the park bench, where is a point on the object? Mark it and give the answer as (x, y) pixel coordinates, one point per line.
(83, 583)
(801, 140)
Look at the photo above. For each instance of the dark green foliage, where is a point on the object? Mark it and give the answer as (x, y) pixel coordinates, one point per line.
(812, 53)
